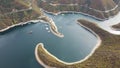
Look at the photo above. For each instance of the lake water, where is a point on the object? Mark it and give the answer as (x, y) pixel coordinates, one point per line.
(17, 45)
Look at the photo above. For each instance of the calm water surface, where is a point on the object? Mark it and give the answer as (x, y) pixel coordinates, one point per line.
(17, 44)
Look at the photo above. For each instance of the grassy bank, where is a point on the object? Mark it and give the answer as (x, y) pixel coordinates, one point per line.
(106, 56)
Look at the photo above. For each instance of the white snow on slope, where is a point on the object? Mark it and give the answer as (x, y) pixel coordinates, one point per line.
(106, 25)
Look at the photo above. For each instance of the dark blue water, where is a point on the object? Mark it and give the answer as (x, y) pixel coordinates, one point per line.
(17, 45)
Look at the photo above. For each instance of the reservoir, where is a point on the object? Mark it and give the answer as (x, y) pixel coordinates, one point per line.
(17, 45)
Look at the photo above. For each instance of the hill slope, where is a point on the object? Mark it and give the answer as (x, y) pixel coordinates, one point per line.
(101, 9)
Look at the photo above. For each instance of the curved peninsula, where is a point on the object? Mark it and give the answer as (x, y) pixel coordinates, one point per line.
(102, 57)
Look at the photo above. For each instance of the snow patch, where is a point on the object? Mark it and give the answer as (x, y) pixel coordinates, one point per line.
(106, 25)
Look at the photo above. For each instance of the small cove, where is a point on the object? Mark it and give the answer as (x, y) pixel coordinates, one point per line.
(17, 44)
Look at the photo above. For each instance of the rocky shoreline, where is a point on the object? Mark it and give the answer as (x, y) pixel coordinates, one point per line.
(65, 12)
(60, 61)
(37, 56)
(53, 30)
(109, 42)
(22, 23)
